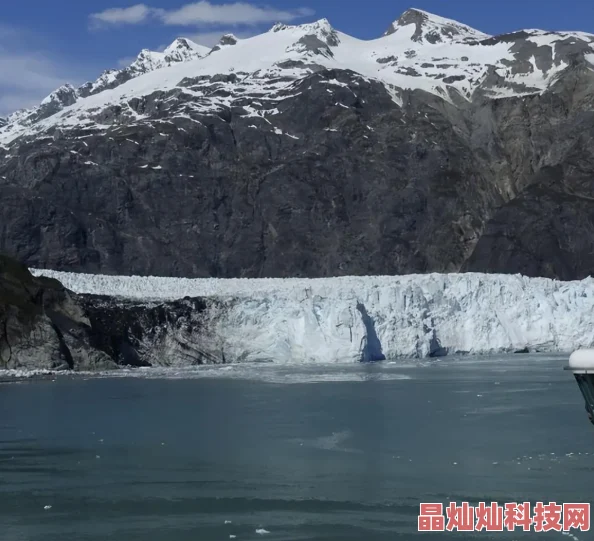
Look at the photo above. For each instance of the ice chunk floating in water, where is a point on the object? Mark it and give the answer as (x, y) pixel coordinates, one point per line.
(350, 319)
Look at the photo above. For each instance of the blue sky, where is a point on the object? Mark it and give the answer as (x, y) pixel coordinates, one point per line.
(45, 44)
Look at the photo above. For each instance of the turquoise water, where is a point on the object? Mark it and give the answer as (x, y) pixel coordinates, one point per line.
(300, 452)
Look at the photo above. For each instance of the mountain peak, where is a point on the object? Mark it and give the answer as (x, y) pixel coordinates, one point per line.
(147, 60)
(181, 43)
(228, 39)
(434, 29)
(278, 27)
(321, 25)
(65, 95)
(183, 49)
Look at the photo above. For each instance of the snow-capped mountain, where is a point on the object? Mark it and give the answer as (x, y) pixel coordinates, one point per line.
(304, 151)
(434, 29)
(181, 50)
(418, 51)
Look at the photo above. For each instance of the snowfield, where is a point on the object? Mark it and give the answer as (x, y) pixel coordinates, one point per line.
(420, 51)
(351, 319)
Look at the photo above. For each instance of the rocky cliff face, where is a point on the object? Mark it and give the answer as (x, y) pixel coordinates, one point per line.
(41, 324)
(434, 148)
(141, 333)
(45, 326)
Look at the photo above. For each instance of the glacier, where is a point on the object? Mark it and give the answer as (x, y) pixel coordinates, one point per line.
(350, 319)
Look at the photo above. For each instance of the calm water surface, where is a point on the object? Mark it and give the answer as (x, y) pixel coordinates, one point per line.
(325, 452)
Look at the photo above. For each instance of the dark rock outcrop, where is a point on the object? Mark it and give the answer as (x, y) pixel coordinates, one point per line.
(137, 333)
(41, 324)
(349, 183)
(45, 326)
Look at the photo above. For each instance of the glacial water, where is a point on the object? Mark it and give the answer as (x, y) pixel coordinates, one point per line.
(341, 452)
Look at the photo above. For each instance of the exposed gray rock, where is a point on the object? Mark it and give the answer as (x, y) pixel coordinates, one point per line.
(56, 101)
(151, 334)
(388, 59)
(315, 45)
(421, 187)
(454, 78)
(227, 39)
(44, 326)
(41, 324)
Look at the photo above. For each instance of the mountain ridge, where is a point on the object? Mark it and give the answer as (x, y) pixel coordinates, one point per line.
(306, 152)
(180, 50)
(428, 30)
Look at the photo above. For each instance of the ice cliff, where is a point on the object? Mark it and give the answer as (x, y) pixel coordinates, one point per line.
(350, 319)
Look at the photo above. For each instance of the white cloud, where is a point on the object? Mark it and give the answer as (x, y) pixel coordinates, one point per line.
(203, 13)
(133, 15)
(206, 13)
